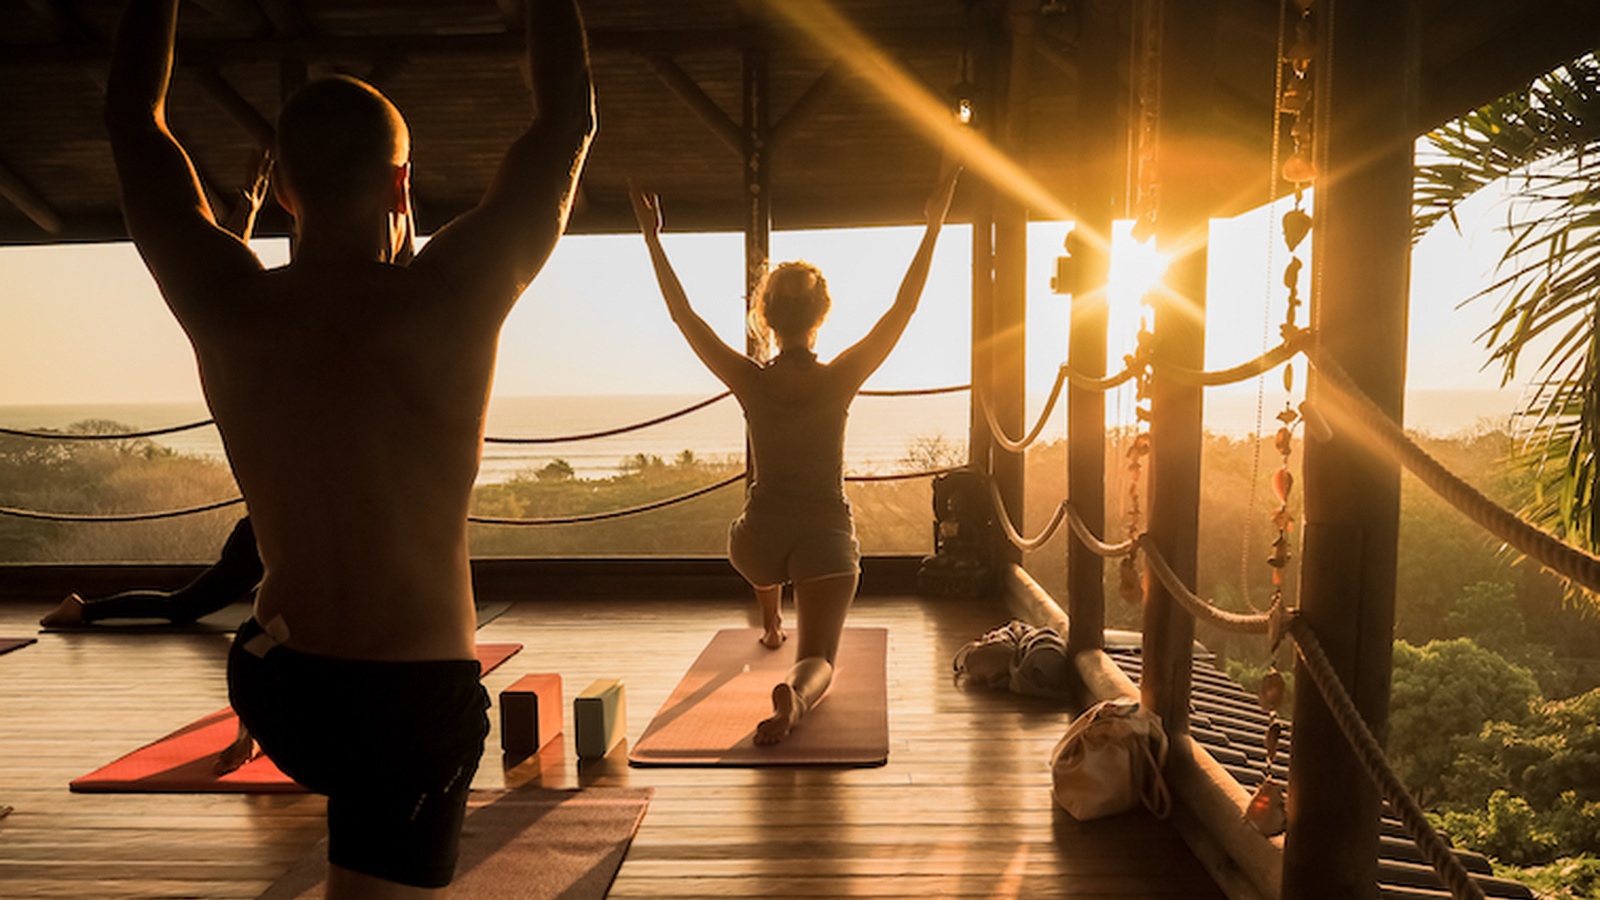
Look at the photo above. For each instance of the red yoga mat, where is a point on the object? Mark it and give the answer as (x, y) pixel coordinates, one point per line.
(9, 644)
(183, 761)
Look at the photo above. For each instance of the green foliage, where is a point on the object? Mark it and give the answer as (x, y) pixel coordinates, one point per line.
(1568, 878)
(1442, 695)
(117, 476)
(1539, 136)
(1506, 829)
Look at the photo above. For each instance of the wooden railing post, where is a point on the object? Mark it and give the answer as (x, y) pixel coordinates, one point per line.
(1365, 80)
(1186, 31)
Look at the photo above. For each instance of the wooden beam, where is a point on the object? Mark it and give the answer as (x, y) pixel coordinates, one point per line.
(240, 12)
(490, 44)
(287, 18)
(512, 13)
(682, 85)
(64, 21)
(826, 85)
(22, 195)
(246, 116)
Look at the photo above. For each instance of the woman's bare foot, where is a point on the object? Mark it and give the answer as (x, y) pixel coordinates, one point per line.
(69, 614)
(787, 711)
(773, 635)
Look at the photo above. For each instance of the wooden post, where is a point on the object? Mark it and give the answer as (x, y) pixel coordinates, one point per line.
(1008, 359)
(1097, 198)
(1186, 30)
(757, 168)
(1366, 75)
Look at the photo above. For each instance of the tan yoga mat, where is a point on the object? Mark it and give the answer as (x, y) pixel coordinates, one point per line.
(711, 717)
(532, 844)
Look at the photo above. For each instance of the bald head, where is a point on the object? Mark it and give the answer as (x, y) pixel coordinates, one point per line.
(339, 141)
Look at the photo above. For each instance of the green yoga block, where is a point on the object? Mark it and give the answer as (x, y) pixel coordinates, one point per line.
(599, 718)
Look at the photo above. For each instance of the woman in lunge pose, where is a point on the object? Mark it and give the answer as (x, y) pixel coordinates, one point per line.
(796, 525)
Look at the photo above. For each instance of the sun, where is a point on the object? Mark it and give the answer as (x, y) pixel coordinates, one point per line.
(1136, 267)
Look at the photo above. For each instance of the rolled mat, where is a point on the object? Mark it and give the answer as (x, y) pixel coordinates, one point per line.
(710, 718)
(184, 761)
(532, 844)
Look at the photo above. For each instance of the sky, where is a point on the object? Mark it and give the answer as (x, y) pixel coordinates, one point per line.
(84, 323)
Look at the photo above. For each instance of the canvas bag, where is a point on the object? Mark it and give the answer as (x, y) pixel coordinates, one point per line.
(1110, 761)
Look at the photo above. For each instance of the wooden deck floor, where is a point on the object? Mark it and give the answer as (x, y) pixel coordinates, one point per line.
(962, 809)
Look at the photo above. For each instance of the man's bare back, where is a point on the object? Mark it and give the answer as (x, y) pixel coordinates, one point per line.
(351, 399)
(350, 389)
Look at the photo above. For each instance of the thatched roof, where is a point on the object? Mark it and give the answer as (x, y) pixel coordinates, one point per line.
(844, 154)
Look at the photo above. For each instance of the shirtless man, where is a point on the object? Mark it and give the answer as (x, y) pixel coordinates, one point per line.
(350, 390)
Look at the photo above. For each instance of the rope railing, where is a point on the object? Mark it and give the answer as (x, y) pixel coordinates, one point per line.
(112, 436)
(39, 516)
(1371, 756)
(915, 392)
(614, 513)
(611, 432)
(1569, 562)
(1094, 542)
(49, 435)
(1003, 516)
(1292, 344)
(1199, 607)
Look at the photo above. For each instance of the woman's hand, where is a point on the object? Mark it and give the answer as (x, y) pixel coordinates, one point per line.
(646, 209)
(938, 205)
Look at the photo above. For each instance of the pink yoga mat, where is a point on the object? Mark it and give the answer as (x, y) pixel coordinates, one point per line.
(182, 762)
(711, 716)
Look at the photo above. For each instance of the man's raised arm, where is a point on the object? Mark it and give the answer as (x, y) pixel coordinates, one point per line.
(166, 211)
(496, 249)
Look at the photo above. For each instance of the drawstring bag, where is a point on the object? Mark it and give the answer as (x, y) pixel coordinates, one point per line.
(1110, 761)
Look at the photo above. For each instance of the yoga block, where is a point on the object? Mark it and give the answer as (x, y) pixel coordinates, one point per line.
(599, 718)
(530, 714)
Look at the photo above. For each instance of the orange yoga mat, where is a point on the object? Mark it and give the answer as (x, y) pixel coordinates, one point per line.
(711, 716)
(533, 844)
(182, 762)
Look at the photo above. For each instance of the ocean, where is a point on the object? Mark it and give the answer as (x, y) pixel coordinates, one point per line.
(883, 431)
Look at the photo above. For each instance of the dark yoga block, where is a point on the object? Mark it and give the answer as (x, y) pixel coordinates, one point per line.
(530, 715)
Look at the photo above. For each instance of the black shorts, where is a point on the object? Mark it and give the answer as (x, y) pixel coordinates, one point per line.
(393, 745)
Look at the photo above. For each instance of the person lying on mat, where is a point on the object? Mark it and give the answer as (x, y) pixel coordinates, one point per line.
(796, 526)
(234, 576)
(350, 389)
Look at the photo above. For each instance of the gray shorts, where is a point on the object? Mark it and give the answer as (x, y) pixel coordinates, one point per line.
(768, 548)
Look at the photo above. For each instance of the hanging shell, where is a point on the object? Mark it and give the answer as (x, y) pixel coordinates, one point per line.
(1296, 225)
(1266, 812)
(1283, 441)
(1282, 484)
(1274, 738)
(1129, 585)
(1291, 274)
(1273, 690)
(1298, 169)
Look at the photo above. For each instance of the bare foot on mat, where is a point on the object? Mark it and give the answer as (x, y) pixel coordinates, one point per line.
(787, 711)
